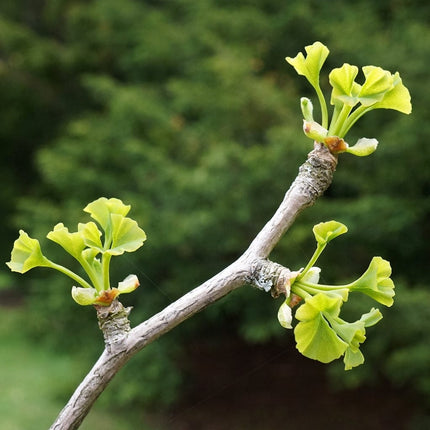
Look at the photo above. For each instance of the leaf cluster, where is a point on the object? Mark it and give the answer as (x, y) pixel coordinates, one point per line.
(380, 90)
(92, 248)
(321, 334)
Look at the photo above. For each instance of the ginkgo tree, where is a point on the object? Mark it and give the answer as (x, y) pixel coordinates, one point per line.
(320, 333)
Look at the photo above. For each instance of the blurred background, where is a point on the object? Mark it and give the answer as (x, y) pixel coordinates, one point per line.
(188, 111)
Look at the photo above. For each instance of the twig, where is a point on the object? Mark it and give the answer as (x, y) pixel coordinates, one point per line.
(314, 177)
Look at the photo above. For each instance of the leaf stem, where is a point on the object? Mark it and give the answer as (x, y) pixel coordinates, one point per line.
(340, 120)
(336, 112)
(312, 261)
(70, 274)
(105, 270)
(323, 104)
(352, 119)
(300, 291)
(324, 287)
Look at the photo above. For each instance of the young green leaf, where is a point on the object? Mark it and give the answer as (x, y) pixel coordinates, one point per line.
(354, 334)
(102, 208)
(91, 235)
(353, 358)
(324, 232)
(314, 336)
(73, 243)
(26, 254)
(310, 66)
(345, 89)
(371, 318)
(376, 282)
(398, 98)
(378, 82)
(127, 236)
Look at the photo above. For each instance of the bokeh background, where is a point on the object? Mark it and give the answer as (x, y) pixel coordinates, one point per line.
(187, 111)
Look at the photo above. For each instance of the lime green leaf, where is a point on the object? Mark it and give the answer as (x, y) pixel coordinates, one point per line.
(363, 147)
(102, 208)
(376, 282)
(127, 236)
(314, 131)
(26, 254)
(129, 284)
(285, 315)
(378, 82)
(351, 333)
(345, 89)
(398, 98)
(310, 66)
(314, 336)
(352, 358)
(371, 318)
(326, 231)
(84, 296)
(91, 235)
(354, 334)
(73, 243)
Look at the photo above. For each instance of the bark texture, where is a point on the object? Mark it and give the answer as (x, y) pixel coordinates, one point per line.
(253, 267)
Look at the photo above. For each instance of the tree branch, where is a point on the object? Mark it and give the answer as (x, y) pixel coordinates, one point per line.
(314, 177)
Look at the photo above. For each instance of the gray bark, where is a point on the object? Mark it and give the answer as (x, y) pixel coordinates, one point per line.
(253, 268)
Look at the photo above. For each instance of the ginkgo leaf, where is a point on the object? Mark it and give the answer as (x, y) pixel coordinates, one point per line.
(376, 282)
(310, 66)
(73, 243)
(127, 236)
(371, 318)
(91, 235)
(353, 358)
(378, 82)
(398, 98)
(345, 89)
(26, 254)
(324, 232)
(315, 337)
(102, 208)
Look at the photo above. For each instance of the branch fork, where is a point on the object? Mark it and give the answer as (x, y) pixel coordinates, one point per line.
(253, 267)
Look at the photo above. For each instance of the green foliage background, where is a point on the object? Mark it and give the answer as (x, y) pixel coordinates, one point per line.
(187, 111)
